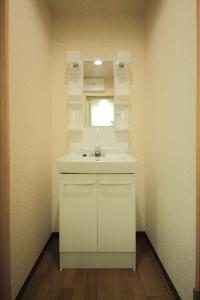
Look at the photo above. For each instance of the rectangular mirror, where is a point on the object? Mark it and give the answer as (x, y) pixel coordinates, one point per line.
(99, 94)
(99, 111)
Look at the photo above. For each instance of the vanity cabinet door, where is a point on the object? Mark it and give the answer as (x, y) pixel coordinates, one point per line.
(116, 213)
(78, 213)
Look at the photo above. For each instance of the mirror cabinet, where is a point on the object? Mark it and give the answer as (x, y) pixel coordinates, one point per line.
(98, 95)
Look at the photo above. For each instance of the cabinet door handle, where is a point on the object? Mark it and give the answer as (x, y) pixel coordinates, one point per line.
(113, 183)
(80, 183)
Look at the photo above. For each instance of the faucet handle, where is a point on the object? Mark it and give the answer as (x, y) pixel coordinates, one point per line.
(97, 151)
(97, 148)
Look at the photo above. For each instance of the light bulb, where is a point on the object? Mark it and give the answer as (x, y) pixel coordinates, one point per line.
(98, 62)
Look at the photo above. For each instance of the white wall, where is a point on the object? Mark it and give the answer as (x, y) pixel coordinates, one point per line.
(98, 36)
(170, 138)
(30, 131)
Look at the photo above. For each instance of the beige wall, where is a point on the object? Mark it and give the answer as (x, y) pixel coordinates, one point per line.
(98, 36)
(30, 129)
(170, 138)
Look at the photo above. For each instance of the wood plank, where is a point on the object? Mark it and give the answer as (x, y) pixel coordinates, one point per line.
(142, 249)
(33, 287)
(46, 272)
(120, 285)
(55, 286)
(66, 294)
(103, 292)
(44, 264)
(166, 296)
(69, 279)
(91, 285)
(42, 292)
(151, 277)
(52, 269)
(138, 288)
(79, 287)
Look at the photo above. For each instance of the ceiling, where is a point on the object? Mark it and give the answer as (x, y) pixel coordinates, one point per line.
(100, 6)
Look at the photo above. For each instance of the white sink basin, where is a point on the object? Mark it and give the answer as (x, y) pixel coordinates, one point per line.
(110, 163)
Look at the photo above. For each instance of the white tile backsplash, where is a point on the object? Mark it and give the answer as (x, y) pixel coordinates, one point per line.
(109, 140)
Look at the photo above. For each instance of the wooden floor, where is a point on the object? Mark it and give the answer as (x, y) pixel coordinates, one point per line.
(147, 283)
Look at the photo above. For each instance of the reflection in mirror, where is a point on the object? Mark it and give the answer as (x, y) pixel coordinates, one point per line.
(98, 94)
(99, 111)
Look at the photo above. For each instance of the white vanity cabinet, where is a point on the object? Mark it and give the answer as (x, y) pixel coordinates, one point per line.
(97, 221)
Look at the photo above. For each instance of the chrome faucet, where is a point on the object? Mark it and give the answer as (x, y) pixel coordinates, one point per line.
(97, 151)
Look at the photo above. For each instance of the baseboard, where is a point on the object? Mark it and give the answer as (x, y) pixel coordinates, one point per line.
(140, 233)
(30, 275)
(55, 235)
(164, 272)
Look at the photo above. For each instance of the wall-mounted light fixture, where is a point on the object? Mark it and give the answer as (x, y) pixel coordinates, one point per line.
(75, 65)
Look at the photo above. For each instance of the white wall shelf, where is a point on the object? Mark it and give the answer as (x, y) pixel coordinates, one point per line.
(121, 89)
(75, 79)
(121, 99)
(75, 91)
(73, 99)
(121, 116)
(121, 79)
(75, 114)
